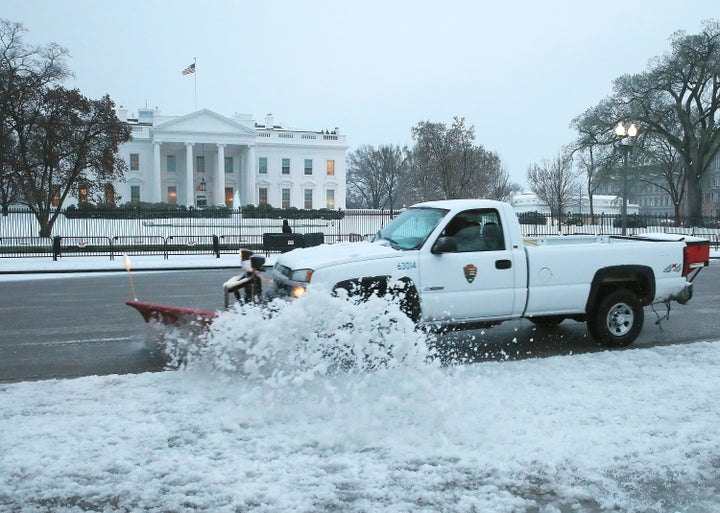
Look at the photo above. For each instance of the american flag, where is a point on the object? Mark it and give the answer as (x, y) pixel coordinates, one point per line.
(189, 69)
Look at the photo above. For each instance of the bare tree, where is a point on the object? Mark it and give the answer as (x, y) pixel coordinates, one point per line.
(376, 176)
(664, 170)
(67, 146)
(25, 70)
(554, 183)
(448, 164)
(678, 100)
(56, 142)
(501, 188)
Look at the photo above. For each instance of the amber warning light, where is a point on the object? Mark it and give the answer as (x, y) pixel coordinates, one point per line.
(127, 268)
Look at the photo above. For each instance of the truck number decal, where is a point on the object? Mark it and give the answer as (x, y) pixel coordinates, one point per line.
(405, 266)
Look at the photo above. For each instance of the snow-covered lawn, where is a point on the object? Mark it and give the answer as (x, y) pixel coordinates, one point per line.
(263, 419)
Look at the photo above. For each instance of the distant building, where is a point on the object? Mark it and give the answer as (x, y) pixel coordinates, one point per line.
(654, 200)
(602, 204)
(203, 159)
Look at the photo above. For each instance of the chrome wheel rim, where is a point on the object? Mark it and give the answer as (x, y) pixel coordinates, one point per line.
(620, 319)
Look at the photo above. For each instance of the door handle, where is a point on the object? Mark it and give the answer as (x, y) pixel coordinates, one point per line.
(503, 264)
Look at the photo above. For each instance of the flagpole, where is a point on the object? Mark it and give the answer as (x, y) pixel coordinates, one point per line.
(195, 64)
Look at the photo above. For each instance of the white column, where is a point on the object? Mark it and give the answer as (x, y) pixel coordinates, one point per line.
(220, 181)
(157, 172)
(190, 185)
(248, 195)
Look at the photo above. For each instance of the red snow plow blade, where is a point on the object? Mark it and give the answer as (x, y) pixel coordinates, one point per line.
(172, 315)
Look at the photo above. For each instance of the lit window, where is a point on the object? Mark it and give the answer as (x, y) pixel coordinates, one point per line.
(308, 166)
(308, 199)
(171, 163)
(135, 194)
(229, 196)
(330, 198)
(172, 194)
(262, 196)
(286, 166)
(286, 198)
(134, 162)
(228, 164)
(331, 168)
(83, 194)
(262, 165)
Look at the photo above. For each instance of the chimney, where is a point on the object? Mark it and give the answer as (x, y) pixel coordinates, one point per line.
(122, 113)
(269, 120)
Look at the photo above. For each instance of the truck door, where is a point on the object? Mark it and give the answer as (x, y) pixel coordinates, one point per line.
(476, 281)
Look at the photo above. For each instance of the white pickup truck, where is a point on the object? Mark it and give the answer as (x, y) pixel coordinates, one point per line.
(465, 264)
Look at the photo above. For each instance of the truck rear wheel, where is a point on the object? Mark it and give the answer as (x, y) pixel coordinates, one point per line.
(617, 320)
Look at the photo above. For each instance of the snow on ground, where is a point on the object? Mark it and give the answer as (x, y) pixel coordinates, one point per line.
(265, 416)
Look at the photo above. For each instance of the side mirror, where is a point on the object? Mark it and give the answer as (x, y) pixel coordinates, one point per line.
(444, 245)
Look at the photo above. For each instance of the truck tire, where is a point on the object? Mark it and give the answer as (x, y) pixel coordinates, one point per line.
(617, 320)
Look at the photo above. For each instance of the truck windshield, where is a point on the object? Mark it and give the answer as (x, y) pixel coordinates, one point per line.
(411, 228)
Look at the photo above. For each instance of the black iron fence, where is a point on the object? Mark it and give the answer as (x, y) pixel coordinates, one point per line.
(163, 235)
(77, 236)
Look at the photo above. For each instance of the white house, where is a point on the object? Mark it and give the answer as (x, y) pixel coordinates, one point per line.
(203, 159)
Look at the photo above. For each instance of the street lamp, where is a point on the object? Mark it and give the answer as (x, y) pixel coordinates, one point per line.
(626, 141)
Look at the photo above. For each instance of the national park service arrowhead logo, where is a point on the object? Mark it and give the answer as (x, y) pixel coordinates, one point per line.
(470, 272)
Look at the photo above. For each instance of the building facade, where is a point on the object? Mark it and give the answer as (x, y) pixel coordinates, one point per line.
(204, 158)
(603, 204)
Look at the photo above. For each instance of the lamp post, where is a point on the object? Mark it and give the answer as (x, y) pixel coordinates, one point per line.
(627, 137)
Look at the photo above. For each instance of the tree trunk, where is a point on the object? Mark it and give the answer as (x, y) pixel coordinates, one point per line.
(694, 196)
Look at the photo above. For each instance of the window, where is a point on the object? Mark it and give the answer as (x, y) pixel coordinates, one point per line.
(476, 230)
(331, 168)
(135, 194)
(286, 198)
(229, 196)
(134, 162)
(200, 163)
(330, 198)
(56, 199)
(201, 201)
(171, 164)
(308, 203)
(172, 194)
(262, 196)
(262, 165)
(308, 166)
(83, 194)
(286, 166)
(228, 164)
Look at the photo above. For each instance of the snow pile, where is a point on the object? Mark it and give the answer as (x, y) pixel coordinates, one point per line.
(264, 417)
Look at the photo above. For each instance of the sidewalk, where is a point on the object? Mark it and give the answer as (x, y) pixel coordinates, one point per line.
(138, 263)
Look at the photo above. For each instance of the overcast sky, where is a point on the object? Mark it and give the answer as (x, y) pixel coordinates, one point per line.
(518, 71)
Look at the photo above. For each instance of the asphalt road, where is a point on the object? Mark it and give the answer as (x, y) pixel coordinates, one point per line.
(79, 326)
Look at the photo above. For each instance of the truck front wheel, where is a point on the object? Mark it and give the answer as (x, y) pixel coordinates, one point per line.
(617, 320)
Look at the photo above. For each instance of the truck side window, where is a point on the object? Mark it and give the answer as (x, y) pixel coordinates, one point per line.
(492, 236)
(476, 230)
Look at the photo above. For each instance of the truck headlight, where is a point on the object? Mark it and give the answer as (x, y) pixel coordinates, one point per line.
(302, 275)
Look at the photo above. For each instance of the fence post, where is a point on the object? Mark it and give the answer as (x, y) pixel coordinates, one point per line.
(216, 246)
(56, 247)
